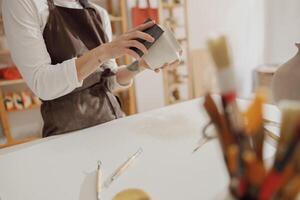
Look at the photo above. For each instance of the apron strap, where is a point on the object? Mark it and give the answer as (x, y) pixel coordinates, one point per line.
(85, 3)
(51, 4)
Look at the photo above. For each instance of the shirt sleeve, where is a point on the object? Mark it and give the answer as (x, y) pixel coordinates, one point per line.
(29, 52)
(108, 30)
(113, 84)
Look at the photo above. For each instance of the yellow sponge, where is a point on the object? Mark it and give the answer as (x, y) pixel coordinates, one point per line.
(132, 194)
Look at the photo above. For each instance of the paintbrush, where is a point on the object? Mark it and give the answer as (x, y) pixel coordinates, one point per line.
(218, 120)
(290, 122)
(283, 168)
(233, 159)
(293, 189)
(254, 124)
(220, 53)
(233, 117)
(255, 174)
(274, 181)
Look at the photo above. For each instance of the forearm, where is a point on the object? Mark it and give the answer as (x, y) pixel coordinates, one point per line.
(126, 74)
(90, 62)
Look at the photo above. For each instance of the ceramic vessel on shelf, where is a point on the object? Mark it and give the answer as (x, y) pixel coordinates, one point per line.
(3, 42)
(286, 81)
(224, 195)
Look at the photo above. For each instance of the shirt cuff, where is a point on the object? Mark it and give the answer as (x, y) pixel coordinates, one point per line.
(71, 73)
(112, 65)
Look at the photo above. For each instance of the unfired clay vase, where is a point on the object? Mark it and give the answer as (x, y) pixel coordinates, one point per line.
(286, 81)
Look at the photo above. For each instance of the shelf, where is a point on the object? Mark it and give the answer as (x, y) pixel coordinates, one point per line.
(17, 142)
(25, 109)
(180, 40)
(178, 101)
(182, 65)
(171, 5)
(11, 82)
(174, 67)
(179, 73)
(121, 90)
(174, 27)
(115, 18)
(177, 85)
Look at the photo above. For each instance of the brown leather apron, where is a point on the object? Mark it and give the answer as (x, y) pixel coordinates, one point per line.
(69, 33)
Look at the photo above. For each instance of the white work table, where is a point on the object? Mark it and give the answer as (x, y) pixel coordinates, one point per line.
(63, 167)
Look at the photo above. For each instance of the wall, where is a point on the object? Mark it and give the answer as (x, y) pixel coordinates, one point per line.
(242, 22)
(282, 29)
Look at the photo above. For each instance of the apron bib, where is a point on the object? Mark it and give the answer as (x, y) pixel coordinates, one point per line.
(70, 33)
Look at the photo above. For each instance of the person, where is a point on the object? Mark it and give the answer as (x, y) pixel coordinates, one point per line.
(65, 53)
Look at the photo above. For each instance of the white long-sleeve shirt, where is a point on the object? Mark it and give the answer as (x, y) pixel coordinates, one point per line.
(24, 23)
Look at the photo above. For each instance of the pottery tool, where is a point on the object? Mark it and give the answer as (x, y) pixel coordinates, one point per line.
(206, 137)
(99, 180)
(123, 168)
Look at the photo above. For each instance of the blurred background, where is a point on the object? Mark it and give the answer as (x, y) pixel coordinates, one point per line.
(262, 34)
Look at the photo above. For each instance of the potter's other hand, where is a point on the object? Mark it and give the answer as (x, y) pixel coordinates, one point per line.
(121, 45)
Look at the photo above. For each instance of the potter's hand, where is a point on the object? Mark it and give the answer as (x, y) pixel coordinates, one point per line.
(121, 45)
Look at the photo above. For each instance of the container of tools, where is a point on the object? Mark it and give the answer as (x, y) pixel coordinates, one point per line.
(242, 137)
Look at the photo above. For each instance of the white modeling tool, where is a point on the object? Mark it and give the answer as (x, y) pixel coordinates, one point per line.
(123, 168)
